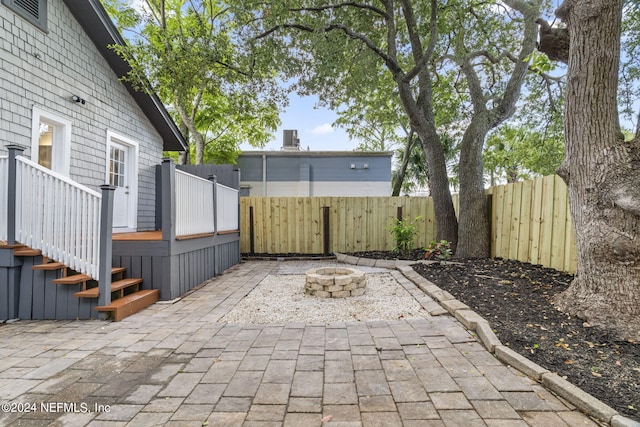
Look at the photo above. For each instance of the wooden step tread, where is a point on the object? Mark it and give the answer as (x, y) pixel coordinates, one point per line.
(115, 286)
(80, 278)
(130, 304)
(49, 266)
(72, 280)
(116, 270)
(5, 245)
(26, 251)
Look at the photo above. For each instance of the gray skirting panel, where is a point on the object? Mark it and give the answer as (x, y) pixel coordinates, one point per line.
(177, 268)
(31, 294)
(174, 268)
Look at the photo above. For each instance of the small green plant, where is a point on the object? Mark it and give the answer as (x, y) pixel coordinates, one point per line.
(403, 232)
(440, 250)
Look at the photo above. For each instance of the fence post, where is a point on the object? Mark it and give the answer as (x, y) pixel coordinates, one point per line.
(252, 232)
(214, 181)
(326, 229)
(237, 186)
(492, 243)
(168, 187)
(106, 248)
(12, 181)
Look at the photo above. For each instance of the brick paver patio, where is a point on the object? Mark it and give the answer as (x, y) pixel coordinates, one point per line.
(176, 365)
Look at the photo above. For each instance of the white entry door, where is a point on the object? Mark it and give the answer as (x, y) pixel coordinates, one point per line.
(121, 173)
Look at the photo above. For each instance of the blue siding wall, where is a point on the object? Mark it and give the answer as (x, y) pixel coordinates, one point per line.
(329, 167)
(228, 175)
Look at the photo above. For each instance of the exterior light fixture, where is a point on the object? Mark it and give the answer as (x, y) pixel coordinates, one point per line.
(79, 100)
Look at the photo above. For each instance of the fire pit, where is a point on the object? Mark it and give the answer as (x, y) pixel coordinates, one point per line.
(335, 282)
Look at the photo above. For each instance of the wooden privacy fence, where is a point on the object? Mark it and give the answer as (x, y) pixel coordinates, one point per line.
(530, 222)
(316, 225)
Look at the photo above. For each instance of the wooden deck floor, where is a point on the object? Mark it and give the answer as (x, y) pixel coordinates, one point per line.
(138, 236)
(154, 236)
(149, 236)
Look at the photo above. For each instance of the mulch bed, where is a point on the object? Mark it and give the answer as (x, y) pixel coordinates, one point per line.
(517, 300)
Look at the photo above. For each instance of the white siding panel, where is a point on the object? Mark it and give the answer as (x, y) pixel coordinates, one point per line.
(319, 189)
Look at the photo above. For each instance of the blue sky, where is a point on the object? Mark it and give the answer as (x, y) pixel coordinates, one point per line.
(313, 125)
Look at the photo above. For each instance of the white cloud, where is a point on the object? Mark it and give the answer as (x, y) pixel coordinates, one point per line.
(322, 129)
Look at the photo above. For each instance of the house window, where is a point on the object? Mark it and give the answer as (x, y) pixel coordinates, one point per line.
(51, 141)
(34, 11)
(116, 167)
(45, 144)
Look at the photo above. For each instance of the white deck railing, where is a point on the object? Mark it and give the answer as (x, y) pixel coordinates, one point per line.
(58, 216)
(227, 207)
(4, 178)
(194, 205)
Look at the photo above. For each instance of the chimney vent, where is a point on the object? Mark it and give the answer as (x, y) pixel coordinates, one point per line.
(290, 140)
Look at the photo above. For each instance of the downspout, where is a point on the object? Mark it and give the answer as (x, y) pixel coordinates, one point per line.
(264, 175)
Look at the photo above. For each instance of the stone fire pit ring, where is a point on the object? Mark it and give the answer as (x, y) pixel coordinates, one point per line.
(335, 282)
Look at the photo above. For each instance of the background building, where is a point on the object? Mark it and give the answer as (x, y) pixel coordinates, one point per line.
(294, 173)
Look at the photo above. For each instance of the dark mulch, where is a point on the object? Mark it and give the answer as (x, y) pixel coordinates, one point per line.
(517, 300)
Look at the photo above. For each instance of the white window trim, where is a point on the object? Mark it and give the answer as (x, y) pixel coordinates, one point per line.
(132, 215)
(61, 157)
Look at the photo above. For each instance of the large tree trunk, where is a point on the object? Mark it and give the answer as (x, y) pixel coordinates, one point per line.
(184, 157)
(406, 155)
(188, 122)
(422, 119)
(444, 212)
(473, 226)
(602, 172)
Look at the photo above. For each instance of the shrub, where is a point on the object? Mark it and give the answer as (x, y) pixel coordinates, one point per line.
(403, 232)
(440, 250)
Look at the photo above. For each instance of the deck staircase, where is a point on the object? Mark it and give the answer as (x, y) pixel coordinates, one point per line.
(127, 295)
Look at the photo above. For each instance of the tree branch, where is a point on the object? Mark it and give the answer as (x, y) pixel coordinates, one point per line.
(473, 81)
(553, 42)
(233, 68)
(282, 27)
(342, 5)
(512, 91)
(546, 78)
(422, 59)
(198, 99)
(391, 62)
(392, 49)
(393, 65)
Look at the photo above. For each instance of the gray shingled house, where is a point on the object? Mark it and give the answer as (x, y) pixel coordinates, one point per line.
(92, 219)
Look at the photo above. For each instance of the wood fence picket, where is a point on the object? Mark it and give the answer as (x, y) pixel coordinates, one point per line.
(530, 222)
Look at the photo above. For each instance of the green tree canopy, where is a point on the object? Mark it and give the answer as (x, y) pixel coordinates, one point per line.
(515, 153)
(189, 52)
(456, 68)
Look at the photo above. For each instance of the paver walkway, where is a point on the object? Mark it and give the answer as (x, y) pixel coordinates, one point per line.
(176, 365)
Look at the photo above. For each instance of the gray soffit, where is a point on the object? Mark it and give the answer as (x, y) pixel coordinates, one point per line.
(96, 23)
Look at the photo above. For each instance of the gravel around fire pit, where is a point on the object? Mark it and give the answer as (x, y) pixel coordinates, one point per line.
(281, 299)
